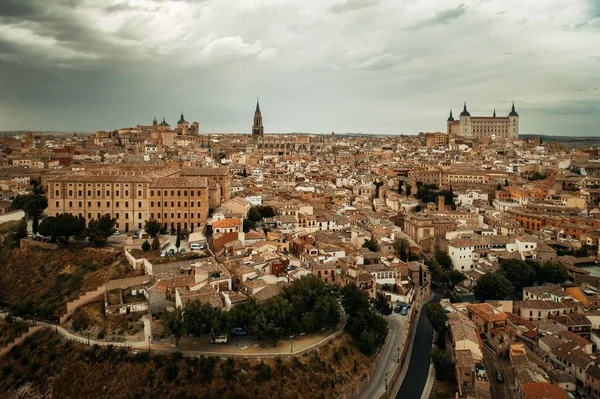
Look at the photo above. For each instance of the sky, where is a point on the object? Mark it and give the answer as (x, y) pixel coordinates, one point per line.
(369, 66)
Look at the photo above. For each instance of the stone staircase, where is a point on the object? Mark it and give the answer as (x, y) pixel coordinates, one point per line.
(19, 340)
(82, 300)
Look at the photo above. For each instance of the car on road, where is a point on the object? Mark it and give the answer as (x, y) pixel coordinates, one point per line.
(499, 377)
(457, 290)
(163, 254)
(136, 235)
(219, 339)
(196, 247)
(117, 233)
(238, 331)
(171, 252)
(182, 251)
(404, 311)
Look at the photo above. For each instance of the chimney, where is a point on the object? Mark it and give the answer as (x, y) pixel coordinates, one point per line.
(441, 206)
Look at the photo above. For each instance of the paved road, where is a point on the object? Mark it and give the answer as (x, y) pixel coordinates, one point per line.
(506, 390)
(389, 358)
(418, 368)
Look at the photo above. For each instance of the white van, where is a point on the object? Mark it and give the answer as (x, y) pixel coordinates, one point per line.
(220, 339)
(196, 247)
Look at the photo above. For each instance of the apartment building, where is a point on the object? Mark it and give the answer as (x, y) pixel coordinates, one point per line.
(134, 195)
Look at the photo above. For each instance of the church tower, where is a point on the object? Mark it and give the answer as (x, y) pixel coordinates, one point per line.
(257, 128)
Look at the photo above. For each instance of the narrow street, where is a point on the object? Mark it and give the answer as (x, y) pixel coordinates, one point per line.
(389, 358)
(505, 390)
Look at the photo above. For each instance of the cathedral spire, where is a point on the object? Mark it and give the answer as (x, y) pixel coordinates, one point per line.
(450, 118)
(494, 112)
(257, 105)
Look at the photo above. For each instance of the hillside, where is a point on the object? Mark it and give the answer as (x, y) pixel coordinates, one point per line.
(40, 281)
(45, 364)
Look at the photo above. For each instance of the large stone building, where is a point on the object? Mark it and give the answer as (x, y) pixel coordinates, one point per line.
(174, 197)
(484, 126)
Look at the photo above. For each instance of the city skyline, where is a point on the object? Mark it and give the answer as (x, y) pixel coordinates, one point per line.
(316, 68)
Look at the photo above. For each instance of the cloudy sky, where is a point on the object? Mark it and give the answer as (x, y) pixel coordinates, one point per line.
(373, 66)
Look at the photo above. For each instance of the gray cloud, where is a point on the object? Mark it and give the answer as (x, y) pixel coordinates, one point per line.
(103, 64)
(343, 6)
(442, 17)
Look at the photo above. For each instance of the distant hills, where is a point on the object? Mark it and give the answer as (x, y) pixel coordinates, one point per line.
(568, 141)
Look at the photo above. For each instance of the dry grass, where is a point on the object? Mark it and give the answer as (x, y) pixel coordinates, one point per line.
(41, 281)
(90, 320)
(46, 364)
(10, 331)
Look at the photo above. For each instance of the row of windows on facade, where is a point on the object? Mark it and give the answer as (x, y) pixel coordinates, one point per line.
(185, 215)
(117, 192)
(118, 204)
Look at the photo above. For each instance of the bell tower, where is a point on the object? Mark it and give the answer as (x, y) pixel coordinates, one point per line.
(257, 128)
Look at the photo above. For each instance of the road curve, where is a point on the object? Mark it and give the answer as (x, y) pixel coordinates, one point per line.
(418, 368)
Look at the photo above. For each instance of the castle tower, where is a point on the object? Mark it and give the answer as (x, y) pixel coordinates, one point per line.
(465, 123)
(257, 128)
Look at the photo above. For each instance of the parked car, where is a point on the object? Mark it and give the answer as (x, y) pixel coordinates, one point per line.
(196, 247)
(171, 252)
(238, 331)
(182, 251)
(457, 290)
(219, 339)
(499, 377)
(163, 254)
(136, 235)
(404, 311)
(117, 233)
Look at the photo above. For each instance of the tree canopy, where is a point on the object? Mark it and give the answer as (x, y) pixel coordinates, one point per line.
(31, 204)
(493, 286)
(100, 229)
(63, 224)
(152, 227)
(437, 316)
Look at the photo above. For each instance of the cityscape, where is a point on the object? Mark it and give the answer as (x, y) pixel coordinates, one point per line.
(205, 249)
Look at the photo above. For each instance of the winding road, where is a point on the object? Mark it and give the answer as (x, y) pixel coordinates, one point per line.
(418, 368)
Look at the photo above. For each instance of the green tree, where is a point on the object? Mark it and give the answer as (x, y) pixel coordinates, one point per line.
(63, 224)
(455, 277)
(444, 368)
(155, 244)
(152, 227)
(198, 318)
(443, 259)
(254, 214)
(354, 299)
(178, 241)
(408, 190)
(519, 273)
(31, 204)
(100, 229)
(173, 322)
(146, 246)
(247, 225)
(381, 304)
(552, 272)
(437, 316)
(492, 286)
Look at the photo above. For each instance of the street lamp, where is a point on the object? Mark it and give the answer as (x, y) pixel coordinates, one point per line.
(386, 381)
(149, 342)
(398, 354)
(292, 343)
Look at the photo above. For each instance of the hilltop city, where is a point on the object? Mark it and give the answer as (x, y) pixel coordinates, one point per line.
(458, 263)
